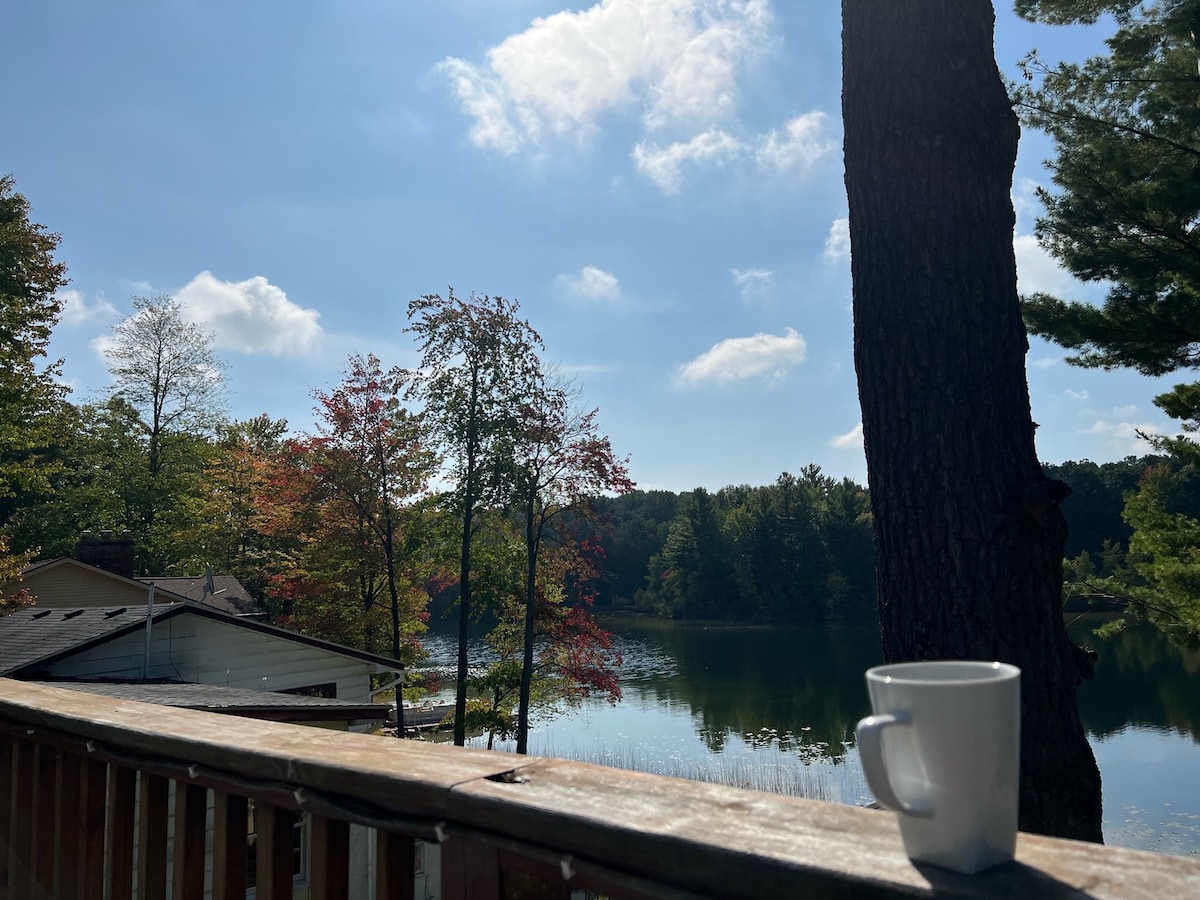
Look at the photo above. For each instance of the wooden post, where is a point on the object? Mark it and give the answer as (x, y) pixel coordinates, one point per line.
(152, 837)
(122, 800)
(45, 804)
(7, 807)
(276, 842)
(329, 858)
(21, 859)
(470, 870)
(395, 868)
(92, 807)
(68, 837)
(229, 846)
(188, 861)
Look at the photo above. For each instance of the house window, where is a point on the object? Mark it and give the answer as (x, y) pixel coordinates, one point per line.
(299, 846)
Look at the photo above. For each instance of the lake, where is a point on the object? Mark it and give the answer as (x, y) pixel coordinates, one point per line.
(774, 708)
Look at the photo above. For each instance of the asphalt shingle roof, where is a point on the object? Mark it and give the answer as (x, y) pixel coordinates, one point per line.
(230, 595)
(30, 636)
(237, 701)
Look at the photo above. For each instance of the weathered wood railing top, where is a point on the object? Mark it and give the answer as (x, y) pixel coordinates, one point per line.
(631, 834)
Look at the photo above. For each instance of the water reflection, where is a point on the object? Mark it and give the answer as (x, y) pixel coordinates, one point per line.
(792, 688)
(1142, 681)
(775, 708)
(807, 683)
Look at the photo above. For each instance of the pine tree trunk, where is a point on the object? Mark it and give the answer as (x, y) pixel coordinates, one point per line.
(969, 537)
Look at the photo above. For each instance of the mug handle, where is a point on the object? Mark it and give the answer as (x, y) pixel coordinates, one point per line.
(870, 752)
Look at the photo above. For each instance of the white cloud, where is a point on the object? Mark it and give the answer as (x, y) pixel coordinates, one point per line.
(1124, 438)
(77, 311)
(1037, 270)
(1076, 395)
(482, 97)
(676, 62)
(1045, 362)
(753, 283)
(800, 145)
(837, 242)
(852, 439)
(663, 166)
(592, 282)
(252, 316)
(764, 356)
(1025, 202)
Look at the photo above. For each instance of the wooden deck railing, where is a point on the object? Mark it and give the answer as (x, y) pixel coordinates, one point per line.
(88, 785)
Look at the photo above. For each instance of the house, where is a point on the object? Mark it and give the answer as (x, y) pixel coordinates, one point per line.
(183, 642)
(101, 574)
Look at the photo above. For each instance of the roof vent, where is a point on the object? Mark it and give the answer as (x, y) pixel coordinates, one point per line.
(41, 614)
(73, 613)
(113, 612)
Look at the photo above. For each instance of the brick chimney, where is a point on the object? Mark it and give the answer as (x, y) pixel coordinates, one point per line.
(113, 554)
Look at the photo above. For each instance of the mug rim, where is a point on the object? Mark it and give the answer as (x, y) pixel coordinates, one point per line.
(979, 671)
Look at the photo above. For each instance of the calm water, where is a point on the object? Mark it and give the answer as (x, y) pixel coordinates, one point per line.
(775, 708)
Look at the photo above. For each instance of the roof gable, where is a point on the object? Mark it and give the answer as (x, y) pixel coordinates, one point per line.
(34, 570)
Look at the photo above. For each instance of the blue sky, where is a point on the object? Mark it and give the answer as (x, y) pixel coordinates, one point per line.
(659, 182)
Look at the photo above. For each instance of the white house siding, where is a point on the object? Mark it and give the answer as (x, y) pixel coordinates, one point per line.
(69, 586)
(201, 650)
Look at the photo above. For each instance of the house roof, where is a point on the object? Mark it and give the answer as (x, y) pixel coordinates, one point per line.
(32, 638)
(232, 701)
(228, 596)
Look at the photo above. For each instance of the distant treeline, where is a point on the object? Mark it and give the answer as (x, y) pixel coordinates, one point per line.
(799, 550)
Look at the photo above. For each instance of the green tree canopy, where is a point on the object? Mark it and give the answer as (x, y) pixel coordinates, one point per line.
(1125, 210)
(29, 394)
(479, 364)
(29, 308)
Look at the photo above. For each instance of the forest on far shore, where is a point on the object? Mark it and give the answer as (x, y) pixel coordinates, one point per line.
(800, 550)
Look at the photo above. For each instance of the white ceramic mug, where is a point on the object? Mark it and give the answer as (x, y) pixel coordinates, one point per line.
(943, 750)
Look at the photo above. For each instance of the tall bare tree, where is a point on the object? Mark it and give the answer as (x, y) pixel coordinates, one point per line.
(165, 368)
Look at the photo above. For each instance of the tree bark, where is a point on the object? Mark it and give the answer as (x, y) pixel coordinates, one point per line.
(969, 537)
(532, 548)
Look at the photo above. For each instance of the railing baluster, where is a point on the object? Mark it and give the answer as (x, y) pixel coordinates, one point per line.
(276, 842)
(7, 810)
(530, 879)
(154, 792)
(329, 859)
(187, 872)
(45, 804)
(68, 837)
(229, 846)
(21, 859)
(122, 801)
(470, 870)
(92, 803)
(395, 866)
